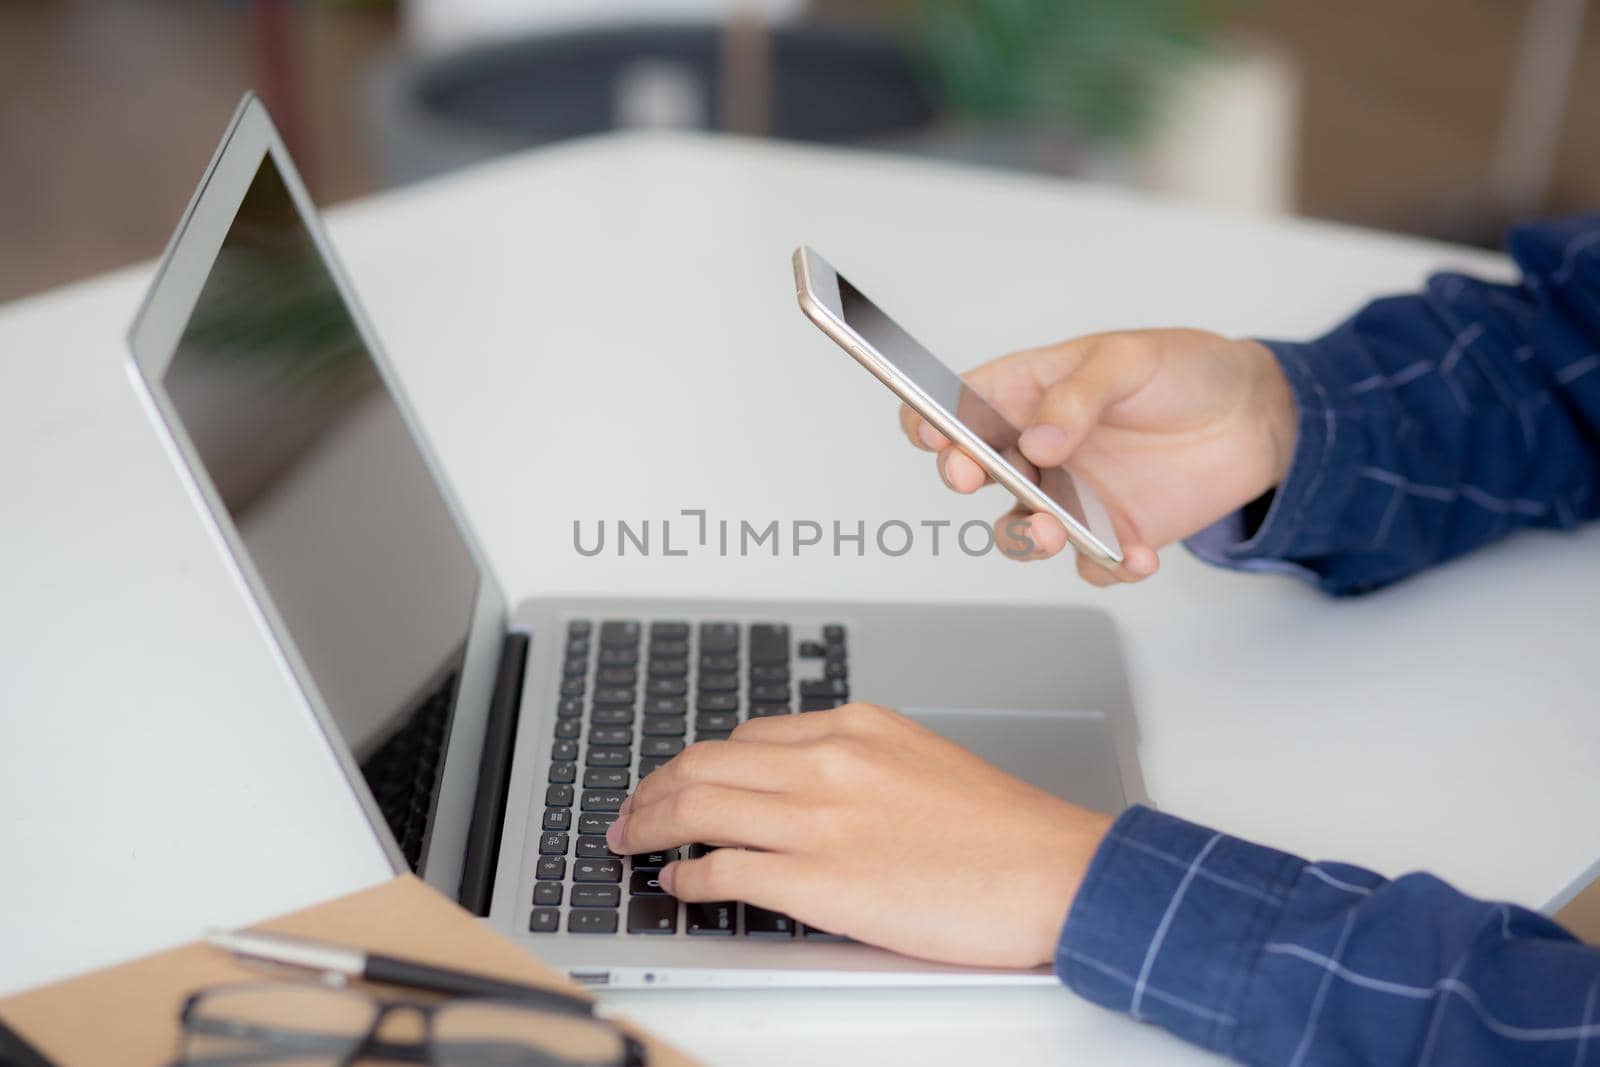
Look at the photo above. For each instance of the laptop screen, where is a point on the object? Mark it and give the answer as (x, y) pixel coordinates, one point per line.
(331, 497)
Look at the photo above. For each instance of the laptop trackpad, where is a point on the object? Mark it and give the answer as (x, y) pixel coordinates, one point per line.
(1072, 754)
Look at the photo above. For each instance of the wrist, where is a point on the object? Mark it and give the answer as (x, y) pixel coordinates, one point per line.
(1079, 840)
(1272, 400)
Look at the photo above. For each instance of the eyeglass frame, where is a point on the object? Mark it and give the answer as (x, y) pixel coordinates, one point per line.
(369, 1045)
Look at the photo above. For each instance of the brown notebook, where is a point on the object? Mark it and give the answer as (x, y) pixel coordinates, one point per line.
(128, 1014)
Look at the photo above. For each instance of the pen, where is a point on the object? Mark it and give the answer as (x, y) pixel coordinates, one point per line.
(344, 963)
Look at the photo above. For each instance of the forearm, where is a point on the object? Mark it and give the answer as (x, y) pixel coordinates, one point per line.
(1267, 958)
(1433, 423)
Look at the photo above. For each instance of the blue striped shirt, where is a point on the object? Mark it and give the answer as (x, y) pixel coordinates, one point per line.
(1429, 424)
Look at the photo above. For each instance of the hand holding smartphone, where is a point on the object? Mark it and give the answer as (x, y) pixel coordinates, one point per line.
(939, 395)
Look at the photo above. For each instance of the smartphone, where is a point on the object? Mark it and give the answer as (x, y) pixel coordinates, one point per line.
(938, 394)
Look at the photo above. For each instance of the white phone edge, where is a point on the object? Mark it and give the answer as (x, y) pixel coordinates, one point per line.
(817, 290)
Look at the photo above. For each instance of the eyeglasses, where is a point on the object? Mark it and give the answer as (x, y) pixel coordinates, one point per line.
(286, 1024)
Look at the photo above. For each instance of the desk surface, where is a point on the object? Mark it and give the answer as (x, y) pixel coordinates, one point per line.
(608, 330)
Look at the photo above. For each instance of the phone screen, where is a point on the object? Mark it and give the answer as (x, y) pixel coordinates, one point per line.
(946, 388)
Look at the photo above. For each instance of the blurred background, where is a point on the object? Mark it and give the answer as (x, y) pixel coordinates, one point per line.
(1442, 118)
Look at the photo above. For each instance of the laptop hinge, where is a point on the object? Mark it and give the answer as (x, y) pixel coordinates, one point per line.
(494, 778)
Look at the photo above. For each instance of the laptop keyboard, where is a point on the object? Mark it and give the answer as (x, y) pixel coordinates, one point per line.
(631, 696)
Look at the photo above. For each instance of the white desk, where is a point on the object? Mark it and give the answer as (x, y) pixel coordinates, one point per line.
(609, 330)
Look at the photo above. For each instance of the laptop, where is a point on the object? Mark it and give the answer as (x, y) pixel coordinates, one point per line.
(491, 743)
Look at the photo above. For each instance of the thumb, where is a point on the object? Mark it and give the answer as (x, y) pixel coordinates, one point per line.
(1073, 406)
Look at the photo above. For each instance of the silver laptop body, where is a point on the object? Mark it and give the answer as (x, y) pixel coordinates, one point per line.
(455, 716)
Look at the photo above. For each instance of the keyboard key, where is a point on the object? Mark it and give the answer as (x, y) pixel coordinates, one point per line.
(619, 657)
(717, 702)
(568, 728)
(835, 654)
(775, 673)
(669, 631)
(760, 922)
(661, 746)
(719, 661)
(579, 628)
(718, 683)
(572, 687)
(676, 667)
(769, 693)
(553, 844)
(645, 883)
(602, 799)
(605, 778)
(666, 706)
(611, 735)
(552, 868)
(563, 773)
(813, 934)
(596, 896)
(617, 676)
(651, 764)
(575, 666)
(591, 921)
(609, 756)
(593, 848)
(769, 643)
(716, 720)
(569, 708)
(837, 669)
(761, 711)
(544, 920)
(719, 918)
(712, 735)
(547, 894)
(669, 648)
(833, 634)
(824, 687)
(719, 636)
(616, 696)
(565, 751)
(578, 646)
(664, 687)
(812, 650)
(697, 850)
(819, 703)
(611, 716)
(595, 822)
(558, 796)
(653, 915)
(558, 819)
(664, 725)
(654, 861)
(597, 871)
(614, 634)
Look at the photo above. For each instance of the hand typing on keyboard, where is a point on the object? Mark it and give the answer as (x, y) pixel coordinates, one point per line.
(864, 823)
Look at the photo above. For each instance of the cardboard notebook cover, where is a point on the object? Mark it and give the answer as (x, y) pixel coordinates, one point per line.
(127, 1015)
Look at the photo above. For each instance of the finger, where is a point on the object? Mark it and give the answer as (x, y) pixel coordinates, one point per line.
(765, 879)
(1073, 406)
(1024, 537)
(919, 432)
(1094, 574)
(1013, 384)
(961, 472)
(758, 767)
(709, 814)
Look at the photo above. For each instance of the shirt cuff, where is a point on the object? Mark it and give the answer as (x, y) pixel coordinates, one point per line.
(1303, 519)
(1169, 924)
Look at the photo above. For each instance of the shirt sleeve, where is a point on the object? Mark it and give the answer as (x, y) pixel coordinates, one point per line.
(1270, 959)
(1436, 422)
